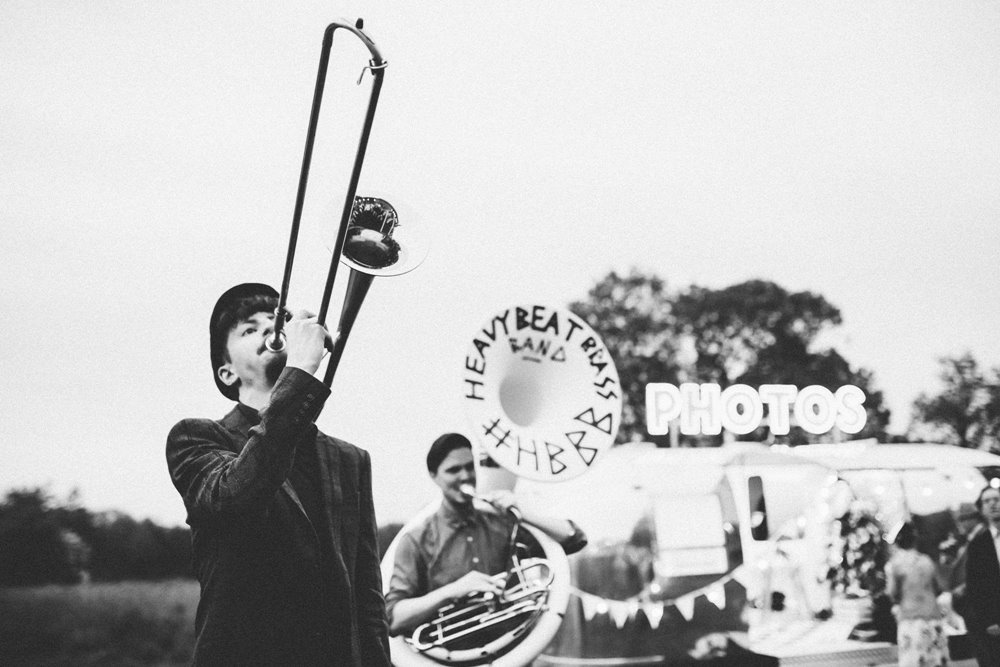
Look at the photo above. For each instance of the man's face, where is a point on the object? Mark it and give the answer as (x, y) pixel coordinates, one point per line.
(456, 469)
(250, 362)
(991, 505)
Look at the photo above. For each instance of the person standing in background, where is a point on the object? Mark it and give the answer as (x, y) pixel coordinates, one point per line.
(912, 583)
(982, 581)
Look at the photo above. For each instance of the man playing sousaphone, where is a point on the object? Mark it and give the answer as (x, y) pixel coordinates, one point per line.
(455, 550)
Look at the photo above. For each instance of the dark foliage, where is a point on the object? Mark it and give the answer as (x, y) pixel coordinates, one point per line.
(966, 412)
(752, 333)
(44, 542)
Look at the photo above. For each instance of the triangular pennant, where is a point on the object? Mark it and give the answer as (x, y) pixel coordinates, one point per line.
(589, 604)
(717, 596)
(619, 613)
(685, 605)
(654, 613)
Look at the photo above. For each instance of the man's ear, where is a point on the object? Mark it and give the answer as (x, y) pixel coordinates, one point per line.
(227, 375)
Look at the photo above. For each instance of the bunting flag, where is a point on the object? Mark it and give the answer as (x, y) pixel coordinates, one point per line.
(623, 611)
(654, 613)
(717, 596)
(619, 612)
(685, 605)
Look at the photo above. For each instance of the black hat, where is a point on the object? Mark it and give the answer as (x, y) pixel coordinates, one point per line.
(443, 446)
(218, 334)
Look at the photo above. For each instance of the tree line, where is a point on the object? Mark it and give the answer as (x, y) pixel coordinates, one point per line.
(757, 332)
(752, 333)
(44, 540)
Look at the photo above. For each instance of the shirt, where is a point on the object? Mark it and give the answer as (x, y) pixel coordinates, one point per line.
(911, 582)
(445, 547)
(996, 539)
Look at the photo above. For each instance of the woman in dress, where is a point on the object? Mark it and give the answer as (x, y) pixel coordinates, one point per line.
(912, 583)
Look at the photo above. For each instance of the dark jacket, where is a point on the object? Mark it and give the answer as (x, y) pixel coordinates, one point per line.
(277, 588)
(982, 583)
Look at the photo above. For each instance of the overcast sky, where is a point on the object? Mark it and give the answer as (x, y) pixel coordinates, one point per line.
(151, 152)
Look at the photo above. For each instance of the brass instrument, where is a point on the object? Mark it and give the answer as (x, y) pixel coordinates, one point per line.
(488, 626)
(543, 401)
(367, 238)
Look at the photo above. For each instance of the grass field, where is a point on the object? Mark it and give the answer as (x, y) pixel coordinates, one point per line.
(114, 624)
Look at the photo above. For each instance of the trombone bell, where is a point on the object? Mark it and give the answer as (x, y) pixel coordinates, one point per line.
(377, 242)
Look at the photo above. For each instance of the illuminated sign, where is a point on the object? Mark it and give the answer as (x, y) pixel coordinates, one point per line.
(707, 408)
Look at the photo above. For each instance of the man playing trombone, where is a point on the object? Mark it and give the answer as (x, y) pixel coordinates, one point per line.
(457, 550)
(282, 518)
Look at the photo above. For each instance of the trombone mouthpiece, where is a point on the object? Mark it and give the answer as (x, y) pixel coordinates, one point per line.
(276, 343)
(468, 490)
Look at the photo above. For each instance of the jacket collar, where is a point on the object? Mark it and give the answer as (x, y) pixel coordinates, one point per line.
(239, 421)
(457, 518)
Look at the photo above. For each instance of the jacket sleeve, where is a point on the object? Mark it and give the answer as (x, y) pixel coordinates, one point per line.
(977, 595)
(214, 481)
(372, 623)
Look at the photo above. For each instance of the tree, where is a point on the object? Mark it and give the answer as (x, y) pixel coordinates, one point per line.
(635, 319)
(34, 547)
(754, 332)
(733, 327)
(967, 411)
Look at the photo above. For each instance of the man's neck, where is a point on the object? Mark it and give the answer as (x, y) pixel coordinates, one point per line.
(255, 397)
(463, 509)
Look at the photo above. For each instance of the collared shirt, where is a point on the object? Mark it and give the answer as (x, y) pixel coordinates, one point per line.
(995, 532)
(445, 547)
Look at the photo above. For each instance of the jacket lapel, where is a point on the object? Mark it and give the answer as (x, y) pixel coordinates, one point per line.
(332, 489)
(238, 424)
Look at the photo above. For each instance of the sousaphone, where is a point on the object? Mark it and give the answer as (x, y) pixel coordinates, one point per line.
(543, 401)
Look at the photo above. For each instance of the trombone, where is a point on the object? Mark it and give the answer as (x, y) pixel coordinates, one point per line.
(365, 238)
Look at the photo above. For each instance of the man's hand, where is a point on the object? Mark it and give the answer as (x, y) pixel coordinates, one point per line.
(502, 499)
(305, 342)
(475, 582)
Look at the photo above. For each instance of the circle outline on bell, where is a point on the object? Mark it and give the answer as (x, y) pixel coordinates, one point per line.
(409, 236)
(539, 385)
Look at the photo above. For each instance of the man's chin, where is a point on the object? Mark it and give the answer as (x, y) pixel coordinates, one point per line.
(460, 499)
(274, 366)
